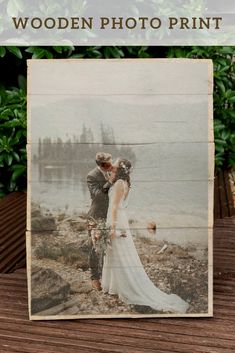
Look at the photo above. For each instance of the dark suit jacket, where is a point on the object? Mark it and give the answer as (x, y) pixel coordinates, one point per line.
(98, 187)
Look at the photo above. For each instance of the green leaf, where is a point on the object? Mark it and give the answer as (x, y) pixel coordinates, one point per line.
(16, 156)
(225, 135)
(231, 99)
(220, 142)
(16, 51)
(2, 52)
(219, 148)
(22, 82)
(31, 49)
(78, 56)
(9, 159)
(227, 50)
(11, 186)
(221, 86)
(18, 170)
(58, 49)
(39, 53)
(19, 134)
(231, 161)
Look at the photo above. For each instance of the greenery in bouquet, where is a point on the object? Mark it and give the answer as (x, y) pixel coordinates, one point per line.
(13, 99)
(100, 235)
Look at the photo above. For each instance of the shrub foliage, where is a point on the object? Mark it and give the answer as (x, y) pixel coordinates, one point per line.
(12, 140)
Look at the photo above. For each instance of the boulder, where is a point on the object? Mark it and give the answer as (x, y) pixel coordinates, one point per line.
(76, 253)
(48, 289)
(40, 220)
(45, 250)
(43, 223)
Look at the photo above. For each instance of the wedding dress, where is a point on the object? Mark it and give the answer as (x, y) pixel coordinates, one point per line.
(123, 273)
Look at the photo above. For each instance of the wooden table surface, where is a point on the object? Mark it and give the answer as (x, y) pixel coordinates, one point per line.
(217, 334)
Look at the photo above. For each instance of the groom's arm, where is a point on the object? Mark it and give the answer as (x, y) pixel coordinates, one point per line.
(94, 187)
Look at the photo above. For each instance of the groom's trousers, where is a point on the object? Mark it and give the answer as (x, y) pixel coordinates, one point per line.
(95, 260)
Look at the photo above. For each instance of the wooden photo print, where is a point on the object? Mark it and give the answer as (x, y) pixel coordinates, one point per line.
(120, 188)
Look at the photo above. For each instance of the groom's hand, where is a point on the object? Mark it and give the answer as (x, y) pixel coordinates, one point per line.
(106, 187)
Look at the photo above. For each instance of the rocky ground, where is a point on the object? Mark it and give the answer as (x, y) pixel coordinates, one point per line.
(60, 272)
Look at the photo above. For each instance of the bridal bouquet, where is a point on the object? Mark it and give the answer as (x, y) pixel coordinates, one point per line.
(100, 235)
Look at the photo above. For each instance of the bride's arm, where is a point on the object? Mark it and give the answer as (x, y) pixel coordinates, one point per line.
(117, 196)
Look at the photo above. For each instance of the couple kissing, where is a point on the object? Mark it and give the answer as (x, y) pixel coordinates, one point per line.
(119, 271)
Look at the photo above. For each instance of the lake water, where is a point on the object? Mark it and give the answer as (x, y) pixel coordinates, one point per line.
(171, 198)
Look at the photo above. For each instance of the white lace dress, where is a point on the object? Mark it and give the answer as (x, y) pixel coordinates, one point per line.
(123, 273)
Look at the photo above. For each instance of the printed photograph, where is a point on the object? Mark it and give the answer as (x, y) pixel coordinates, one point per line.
(119, 201)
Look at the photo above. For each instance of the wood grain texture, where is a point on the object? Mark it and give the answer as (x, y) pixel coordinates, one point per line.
(100, 77)
(12, 231)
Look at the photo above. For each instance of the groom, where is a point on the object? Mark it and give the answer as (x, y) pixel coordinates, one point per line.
(98, 184)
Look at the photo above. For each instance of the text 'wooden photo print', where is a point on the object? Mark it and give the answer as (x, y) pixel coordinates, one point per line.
(120, 188)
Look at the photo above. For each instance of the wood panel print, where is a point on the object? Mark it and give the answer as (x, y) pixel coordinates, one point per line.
(120, 180)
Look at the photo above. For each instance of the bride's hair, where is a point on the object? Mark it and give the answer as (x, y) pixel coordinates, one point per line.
(123, 170)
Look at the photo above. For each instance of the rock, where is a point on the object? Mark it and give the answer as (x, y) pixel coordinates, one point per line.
(36, 213)
(76, 253)
(83, 307)
(48, 289)
(43, 223)
(61, 217)
(177, 251)
(80, 287)
(71, 311)
(45, 250)
(42, 220)
(60, 308)
(144, 309)
(162, 249)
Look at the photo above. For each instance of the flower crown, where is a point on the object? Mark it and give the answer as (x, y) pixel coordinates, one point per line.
(125, 168)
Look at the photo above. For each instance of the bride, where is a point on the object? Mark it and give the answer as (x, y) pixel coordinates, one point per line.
(123, 273)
